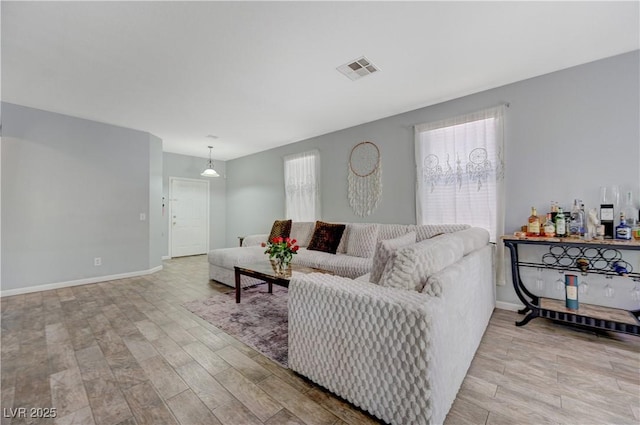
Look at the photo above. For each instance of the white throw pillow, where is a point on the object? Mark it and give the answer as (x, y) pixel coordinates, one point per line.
(342, 248)
(472, 238)
(301, 231)
(384, 249)
(362, 239)
(410, 267)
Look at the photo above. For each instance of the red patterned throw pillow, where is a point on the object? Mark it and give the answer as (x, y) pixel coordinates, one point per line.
(280, 228)
(326, 237)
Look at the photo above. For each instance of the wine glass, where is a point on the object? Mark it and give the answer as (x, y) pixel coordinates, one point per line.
(584, 287)
(608, 289)
(635, 292)
(610, 195)
(539, 281)
(559, 286)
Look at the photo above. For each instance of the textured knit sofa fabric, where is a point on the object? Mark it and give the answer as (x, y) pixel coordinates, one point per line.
(411, 266)
(384, 250)
(397, 353)
(223, 260)
(361, 239)
(280, 228)
(326, 237)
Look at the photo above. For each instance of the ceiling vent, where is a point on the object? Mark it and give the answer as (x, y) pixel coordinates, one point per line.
(358, 68)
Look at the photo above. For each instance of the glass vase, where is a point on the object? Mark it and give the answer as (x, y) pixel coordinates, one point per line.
(281, 266)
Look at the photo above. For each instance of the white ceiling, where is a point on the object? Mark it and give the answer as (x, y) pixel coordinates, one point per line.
(263, 74)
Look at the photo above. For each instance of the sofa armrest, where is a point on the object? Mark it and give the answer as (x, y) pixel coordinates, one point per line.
(355, 338)
(254, 240)
(468, 300)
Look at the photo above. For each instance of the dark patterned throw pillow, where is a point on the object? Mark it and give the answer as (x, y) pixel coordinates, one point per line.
(326, 237)
(280, 228)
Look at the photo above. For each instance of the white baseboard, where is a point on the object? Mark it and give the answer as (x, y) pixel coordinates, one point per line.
(502, 305)
(166, 257)
(49, 286)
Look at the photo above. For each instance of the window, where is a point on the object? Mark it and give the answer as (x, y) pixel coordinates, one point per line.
(302, 191)
(460, 169)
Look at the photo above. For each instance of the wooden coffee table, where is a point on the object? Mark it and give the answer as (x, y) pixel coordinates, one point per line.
(265, 272)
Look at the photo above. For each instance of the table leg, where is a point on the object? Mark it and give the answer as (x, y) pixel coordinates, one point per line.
(270, 287)
(237, 286)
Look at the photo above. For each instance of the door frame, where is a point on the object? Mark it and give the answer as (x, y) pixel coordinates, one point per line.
(170, 217)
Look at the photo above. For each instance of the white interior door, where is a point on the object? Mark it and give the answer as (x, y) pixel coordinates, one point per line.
(189, 216)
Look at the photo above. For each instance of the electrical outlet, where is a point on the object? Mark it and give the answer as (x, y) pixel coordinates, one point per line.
(97, 261)
(143, 216)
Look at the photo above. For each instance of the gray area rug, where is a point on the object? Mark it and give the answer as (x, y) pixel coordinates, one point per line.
(260, 320)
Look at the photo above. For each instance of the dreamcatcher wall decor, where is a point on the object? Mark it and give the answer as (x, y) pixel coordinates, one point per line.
(365, 178)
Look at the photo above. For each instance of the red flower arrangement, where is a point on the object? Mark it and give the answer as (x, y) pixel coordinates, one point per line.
(281, 249)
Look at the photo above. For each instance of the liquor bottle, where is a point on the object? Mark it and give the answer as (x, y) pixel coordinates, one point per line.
(554, 210)
(549, 228)
(635, 231)
(571, 292)
(576, 219)
(606, 220)
(623, 231)
(533, 228)
(561, 224)
(630, 213)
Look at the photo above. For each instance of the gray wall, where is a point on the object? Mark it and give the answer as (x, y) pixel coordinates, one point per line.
(255, 187)
(156, 221)
(567, 133)
(190, 167)
(72, 190)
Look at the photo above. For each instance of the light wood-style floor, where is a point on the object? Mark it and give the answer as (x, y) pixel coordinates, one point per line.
(126, 352)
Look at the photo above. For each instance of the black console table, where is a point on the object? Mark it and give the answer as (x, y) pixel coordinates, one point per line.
(580, 256)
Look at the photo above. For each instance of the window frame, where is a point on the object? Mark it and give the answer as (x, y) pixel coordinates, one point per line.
(437, 177)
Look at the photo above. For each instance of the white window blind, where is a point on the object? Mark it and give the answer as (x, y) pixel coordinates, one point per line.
(301, 183)
(460, 173)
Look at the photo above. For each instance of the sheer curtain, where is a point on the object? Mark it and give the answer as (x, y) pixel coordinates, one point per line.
(460, 173)
(301, 185)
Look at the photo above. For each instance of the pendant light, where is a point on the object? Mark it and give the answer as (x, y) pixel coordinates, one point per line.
(209, 171)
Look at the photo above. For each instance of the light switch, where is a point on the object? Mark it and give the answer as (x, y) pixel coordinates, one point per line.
(143, 216)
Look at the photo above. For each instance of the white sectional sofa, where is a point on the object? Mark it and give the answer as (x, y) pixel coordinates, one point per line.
(223, 260)
(399, 348)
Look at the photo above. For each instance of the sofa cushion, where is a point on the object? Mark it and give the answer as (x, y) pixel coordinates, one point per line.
(307, 258)
(302, 231)
(472, 238)
(453, 275)
(362, 239)
(346, 265)
(392, 231)
(326, 237)
(231, 257)
(281, 228)
(410, 267)
(427, 231)
(384, 249)
(338, 264)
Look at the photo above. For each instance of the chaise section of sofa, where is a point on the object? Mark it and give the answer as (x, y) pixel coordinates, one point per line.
(399, 354)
